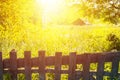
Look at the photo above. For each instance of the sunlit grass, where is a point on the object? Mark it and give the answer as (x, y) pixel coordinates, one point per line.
(63, 38)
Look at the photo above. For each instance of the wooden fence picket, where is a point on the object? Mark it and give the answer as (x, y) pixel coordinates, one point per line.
(115, 66)
(72, 66)
(1, 67)
(86, 67)
(13, 65)
(58, 62)
(100, 67)
(27, 62)
(41, 62)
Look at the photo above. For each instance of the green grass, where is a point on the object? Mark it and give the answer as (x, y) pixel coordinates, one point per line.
(76, 38)
(61, 38)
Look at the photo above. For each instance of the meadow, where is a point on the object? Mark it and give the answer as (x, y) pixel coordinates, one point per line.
(65, 39)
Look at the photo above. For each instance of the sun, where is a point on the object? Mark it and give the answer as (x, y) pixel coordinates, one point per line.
(49, 4)
(50, 9)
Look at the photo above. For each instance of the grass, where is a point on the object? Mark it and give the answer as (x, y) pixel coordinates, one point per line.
(76, 38)
(62, 38)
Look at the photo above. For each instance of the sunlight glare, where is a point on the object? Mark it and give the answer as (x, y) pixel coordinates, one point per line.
(50, 9)
(51, 4)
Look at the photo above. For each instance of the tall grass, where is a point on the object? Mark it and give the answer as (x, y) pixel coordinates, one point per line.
(63, 38)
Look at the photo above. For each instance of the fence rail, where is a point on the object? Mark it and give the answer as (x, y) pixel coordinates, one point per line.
(28, 65)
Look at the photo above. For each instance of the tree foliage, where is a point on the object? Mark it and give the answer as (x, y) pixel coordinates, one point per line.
(107, 9)
(17, 12)
(17, 17)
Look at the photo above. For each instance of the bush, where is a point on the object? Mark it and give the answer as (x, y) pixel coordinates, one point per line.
(114, 42)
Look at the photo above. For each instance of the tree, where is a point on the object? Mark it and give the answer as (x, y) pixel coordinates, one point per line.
(17, 19)
(107, 9)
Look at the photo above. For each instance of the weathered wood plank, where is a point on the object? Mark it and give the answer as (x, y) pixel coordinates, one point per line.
(58, 62)
(65, 60)
(6, 63)
(27, 62)
(20, 62)
(41, 62)
(49, 60)
(13, 65)
(115, 66)
(72, 66)
(1, 67)
(86, 66)
(100, 67)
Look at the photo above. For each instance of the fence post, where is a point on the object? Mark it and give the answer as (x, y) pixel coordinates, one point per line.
(58, 62)
(41, 63)
(100, 68)
(27, 63)
(115, 66)
(1, 67)
(86, 66)
(13, 65)
(72, 66)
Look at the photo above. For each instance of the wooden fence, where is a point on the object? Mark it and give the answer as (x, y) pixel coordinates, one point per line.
(26, 65)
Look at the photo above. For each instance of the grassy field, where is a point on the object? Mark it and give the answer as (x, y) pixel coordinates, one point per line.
(63, 38)
(66, 39)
